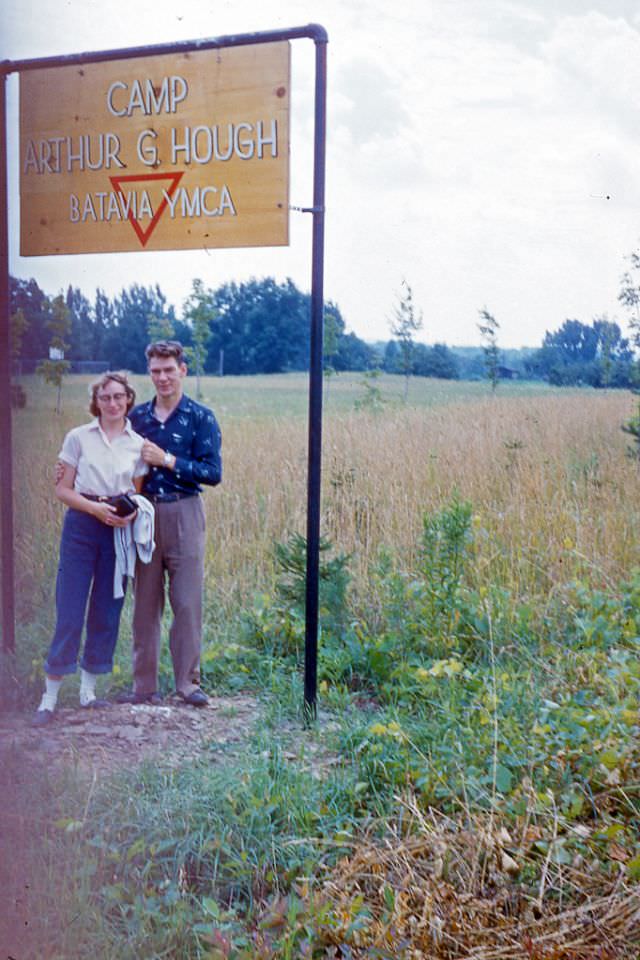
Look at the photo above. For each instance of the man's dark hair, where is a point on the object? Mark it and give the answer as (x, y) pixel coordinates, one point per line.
(166, 348)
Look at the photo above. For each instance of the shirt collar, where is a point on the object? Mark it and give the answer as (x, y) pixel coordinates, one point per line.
(182, 405)
(95, 425)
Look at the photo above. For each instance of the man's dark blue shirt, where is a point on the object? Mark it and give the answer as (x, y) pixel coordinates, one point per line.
(191, 433)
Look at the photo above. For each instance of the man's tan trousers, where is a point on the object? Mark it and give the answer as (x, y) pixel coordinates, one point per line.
(178, 557)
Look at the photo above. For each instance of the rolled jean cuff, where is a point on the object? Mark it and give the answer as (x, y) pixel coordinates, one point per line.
(96, 667)
(59, 670)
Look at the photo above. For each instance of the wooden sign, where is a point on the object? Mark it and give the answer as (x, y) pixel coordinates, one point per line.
(172, 152)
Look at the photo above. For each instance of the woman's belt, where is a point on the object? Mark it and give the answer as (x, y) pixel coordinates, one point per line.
(123, 504)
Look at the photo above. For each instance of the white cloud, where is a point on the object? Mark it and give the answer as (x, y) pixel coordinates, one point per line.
(597, 60)
(370, 103)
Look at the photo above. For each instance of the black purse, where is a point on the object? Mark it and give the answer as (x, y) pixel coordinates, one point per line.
(124, 505)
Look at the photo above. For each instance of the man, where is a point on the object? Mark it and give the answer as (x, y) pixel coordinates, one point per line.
(182, 448)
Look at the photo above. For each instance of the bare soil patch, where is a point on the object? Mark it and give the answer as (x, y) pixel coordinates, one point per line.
(122, 735)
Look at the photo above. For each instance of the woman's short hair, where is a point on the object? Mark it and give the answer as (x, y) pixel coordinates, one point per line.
(166, 348)
(97, 385)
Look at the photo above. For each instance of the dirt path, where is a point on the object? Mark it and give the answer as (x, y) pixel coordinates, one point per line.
(122, 735)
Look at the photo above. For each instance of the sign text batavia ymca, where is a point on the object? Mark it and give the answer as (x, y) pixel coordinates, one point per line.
(161, 153)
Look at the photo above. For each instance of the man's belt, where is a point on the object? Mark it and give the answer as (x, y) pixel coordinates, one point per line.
(168, 497)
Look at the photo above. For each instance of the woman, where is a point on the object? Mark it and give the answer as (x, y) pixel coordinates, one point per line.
(101, 460)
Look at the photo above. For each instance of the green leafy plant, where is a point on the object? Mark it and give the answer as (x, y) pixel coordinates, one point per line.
(405, 323)
(278, 623)
(200, 313)
(54, 369)
(488, 329)
(372, 400)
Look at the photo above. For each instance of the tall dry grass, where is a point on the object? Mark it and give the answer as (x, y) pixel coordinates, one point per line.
(554, 494)
(548, 478)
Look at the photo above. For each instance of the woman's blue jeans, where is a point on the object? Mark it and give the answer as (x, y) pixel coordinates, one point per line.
(85, 573)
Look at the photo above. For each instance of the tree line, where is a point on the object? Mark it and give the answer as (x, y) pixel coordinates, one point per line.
(262, 326)
(258, 326)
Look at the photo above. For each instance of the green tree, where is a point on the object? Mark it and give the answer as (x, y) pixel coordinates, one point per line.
(54, 369)
(129, 335)
(435, 361)
(27, 296)
(262, 327)
(354, 354)
(610, 349)
(103, 324)
(404, 324)
(579, 353)
(333, 330)
(391, 358)
(160, 328)
(82, 330)
(18, 326)
(629, 295)
(372, 399)
(199, 312)
(489, 333)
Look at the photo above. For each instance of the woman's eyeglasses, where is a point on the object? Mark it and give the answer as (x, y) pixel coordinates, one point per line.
(105, 397)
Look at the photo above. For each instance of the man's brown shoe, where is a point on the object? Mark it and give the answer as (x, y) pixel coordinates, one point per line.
(130, 696)
(196, 699)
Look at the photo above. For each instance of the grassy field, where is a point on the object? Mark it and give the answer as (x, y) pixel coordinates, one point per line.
(286, 394)
(545, 471)
(479, 682)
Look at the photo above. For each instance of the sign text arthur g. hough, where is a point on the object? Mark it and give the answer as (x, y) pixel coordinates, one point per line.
(160, 153)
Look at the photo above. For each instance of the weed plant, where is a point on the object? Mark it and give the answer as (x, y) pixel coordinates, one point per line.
(478, 695)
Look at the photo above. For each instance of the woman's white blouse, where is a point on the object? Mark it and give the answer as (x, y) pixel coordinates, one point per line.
(103, 467)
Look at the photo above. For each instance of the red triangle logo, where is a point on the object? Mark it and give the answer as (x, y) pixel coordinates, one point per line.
(172, 178)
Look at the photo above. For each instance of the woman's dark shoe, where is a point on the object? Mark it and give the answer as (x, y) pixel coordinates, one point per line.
(95, 704)
(42, 718)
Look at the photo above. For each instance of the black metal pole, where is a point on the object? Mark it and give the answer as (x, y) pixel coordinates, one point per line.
(315, 387)
(6, 453)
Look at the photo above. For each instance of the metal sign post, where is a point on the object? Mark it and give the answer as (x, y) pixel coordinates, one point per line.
(47, 157)
(6, 454)
(315, 392)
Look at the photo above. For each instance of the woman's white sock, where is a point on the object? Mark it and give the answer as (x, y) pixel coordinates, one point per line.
(87, 687)
(50, 695)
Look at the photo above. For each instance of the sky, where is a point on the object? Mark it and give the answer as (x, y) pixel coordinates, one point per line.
(486, 152)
